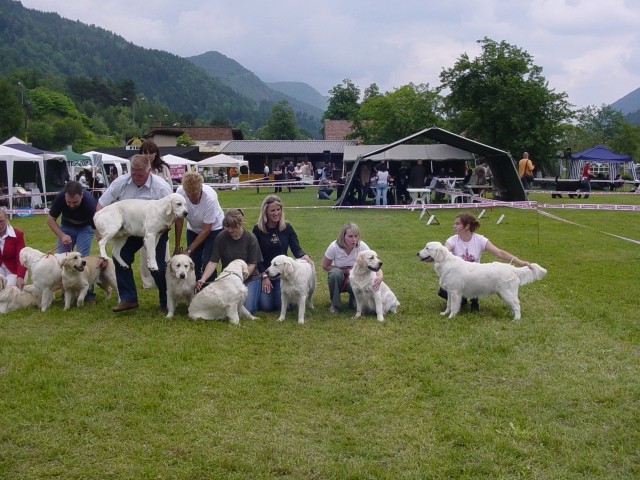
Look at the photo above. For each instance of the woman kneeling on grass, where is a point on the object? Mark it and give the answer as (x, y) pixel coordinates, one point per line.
(469, 245)
(339, 259)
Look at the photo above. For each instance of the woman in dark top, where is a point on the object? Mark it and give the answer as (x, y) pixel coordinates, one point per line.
(275, 237)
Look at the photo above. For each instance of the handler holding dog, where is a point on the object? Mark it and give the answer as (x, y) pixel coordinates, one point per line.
(140, 184)
(339, 259)
(468, 245)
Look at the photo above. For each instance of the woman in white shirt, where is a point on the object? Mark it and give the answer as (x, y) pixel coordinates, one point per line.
(204, 221)
(338, 261)
(382, 184)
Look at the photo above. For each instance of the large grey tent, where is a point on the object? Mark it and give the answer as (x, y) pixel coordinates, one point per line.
(505, 175)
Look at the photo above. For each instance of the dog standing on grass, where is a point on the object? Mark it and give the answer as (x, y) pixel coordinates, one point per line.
(181, 281)
(81, 274)
(297, 284)
(473, 280)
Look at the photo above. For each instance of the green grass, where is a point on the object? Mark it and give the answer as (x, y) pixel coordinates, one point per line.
(91, 394)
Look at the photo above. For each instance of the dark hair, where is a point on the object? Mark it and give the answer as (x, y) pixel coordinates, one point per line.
(468, 219)
(150, 148)
(73, 188)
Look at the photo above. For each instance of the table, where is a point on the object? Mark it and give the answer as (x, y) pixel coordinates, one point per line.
(419, 196)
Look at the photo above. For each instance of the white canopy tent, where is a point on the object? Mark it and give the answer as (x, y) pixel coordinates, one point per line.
(175, 160)
(99, 159)
(11, 155)
(222, 161)
(178, 165)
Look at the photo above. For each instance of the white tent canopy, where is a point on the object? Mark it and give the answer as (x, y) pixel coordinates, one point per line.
(99, 159)
(175, 160)
(222, 161)
(11, 155)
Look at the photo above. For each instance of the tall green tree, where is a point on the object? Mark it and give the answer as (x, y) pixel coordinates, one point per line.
(394, 115)
(501, 98)
(11, 119)
(343, 101)
(281, 124)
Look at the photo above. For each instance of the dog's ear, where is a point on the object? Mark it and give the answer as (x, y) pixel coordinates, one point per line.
(169, 207)
(192, 266)
(288, 267)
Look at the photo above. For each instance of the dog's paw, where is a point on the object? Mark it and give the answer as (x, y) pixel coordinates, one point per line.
(280, 319)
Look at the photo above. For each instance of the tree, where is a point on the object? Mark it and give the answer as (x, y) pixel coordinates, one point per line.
(184, 140)
(502, 99)
(11, 118)
(343, 103)
(394, 115)
(281, 124)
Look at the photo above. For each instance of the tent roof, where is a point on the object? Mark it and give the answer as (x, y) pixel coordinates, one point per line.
(106, 157)
(408, 152)
(13, 140)
(600, 153)
(25, 147)
(7, 153)
(503, 168)
(74, 156)
(175, 160)
(222, 160)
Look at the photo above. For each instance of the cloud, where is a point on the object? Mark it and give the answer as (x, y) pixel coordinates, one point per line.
(586, 49)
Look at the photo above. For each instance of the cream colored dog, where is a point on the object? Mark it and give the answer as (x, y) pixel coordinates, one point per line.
(181, 281)
(363, 274)
(224, 297)
(45, 272)
(297, 283)
(139, 218)
(473, 280)
(12, 298)
(80, 274)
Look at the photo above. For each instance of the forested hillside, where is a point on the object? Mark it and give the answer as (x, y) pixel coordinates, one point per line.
(48, 46)
(246, 83)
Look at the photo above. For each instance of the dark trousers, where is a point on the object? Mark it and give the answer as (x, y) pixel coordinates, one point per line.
(202, 254)
(124, 276)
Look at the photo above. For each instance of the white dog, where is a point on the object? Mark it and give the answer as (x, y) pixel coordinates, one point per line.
(224, 297)
(471, 279)
(181, 281)
(12, 298)
(80, 274)
(139, 218)
(297, 283)
(362, 276)
(45, 272)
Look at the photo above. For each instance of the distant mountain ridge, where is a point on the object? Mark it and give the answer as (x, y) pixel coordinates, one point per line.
(246, 83)
(303, 92)
(629, 105)
(48, 45)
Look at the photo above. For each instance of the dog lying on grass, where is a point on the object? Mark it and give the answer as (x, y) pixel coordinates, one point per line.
(12, 298)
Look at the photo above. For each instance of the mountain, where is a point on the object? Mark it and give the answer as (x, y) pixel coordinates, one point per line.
(301, 91)
(630, 103)
(246, 83)
(54, 49)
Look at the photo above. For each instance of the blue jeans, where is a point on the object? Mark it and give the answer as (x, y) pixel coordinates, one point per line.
(270, 302)
(381, 193)
(124, 276)
(251, 302)
(81, 238)
(202, 254)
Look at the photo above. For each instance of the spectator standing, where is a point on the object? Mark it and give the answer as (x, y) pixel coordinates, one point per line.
(382, 183)
(525, 170)
(140, 184)
(275, 237)
(585, 179)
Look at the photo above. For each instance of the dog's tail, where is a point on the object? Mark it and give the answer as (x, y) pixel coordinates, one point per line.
(528, 275)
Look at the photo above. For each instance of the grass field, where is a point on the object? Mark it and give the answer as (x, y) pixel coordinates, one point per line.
(89, 394)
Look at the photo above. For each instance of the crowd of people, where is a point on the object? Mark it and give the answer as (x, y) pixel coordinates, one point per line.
(214, 237)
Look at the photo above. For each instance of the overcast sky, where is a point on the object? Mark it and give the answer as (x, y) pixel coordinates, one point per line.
(589, 49)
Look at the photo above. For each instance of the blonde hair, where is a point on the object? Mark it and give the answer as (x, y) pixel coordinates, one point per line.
(262, 217)
(233, 218)
(343, 233)
(192, 183)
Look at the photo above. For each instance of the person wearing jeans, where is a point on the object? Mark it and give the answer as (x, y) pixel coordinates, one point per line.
(382, 185)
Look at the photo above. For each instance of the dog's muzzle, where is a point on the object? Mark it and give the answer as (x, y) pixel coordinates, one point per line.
(427, 259)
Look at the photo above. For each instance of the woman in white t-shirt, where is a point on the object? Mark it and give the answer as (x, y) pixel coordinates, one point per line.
(468, 245)
(382, 184)
(204, 221)
(338, 261)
